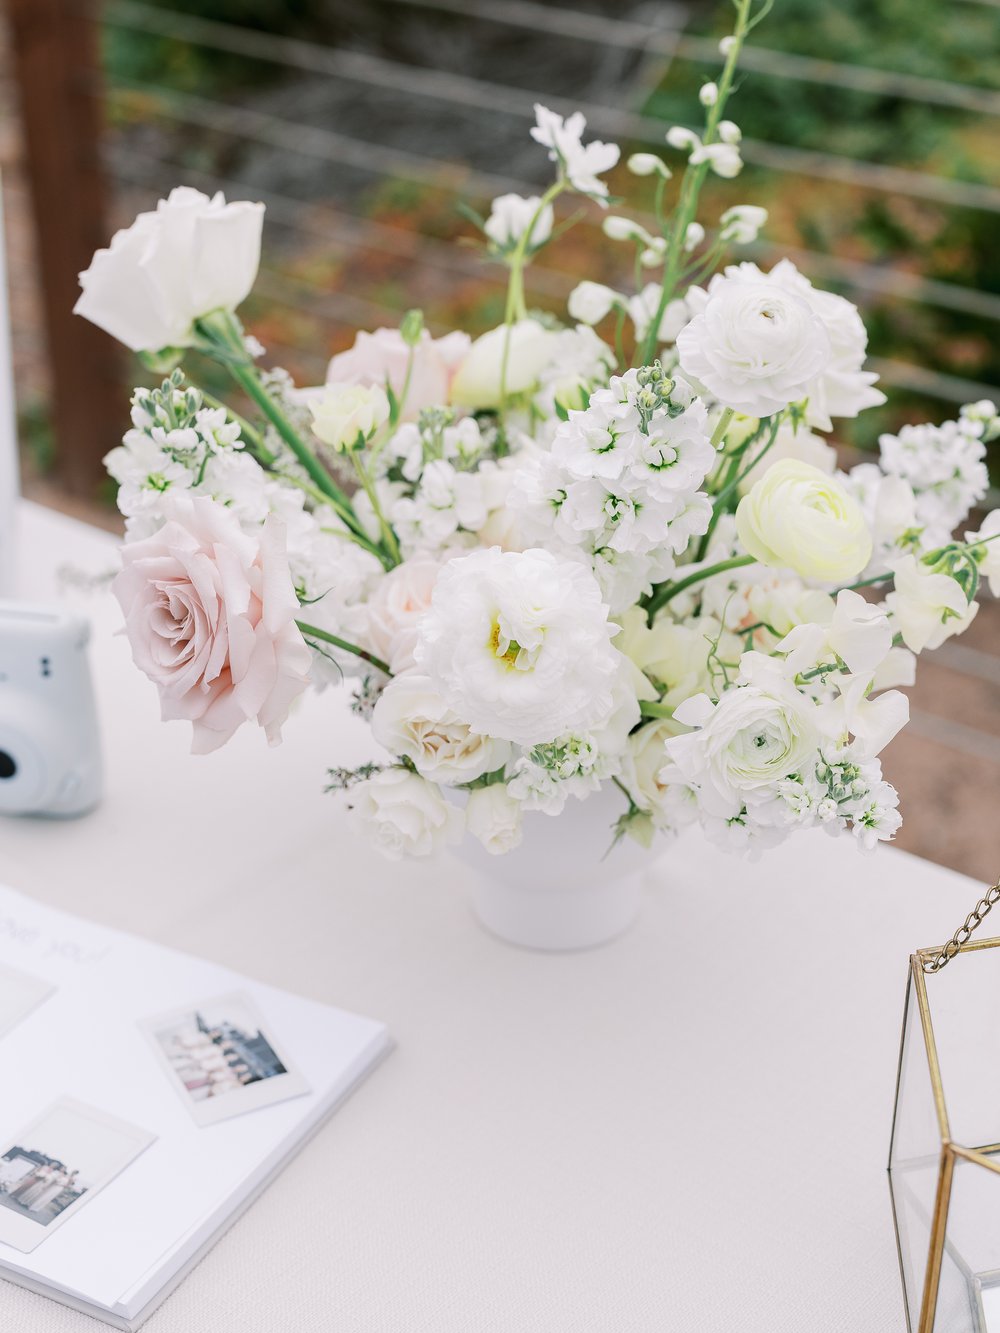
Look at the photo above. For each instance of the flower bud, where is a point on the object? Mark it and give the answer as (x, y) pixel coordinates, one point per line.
(411, 327)
(346, 416)
(708, 94)
(694, 236)
(648, 164)
(729, 132)
(679, 137)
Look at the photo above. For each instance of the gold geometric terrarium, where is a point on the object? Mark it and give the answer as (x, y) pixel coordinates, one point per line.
(944, 1162)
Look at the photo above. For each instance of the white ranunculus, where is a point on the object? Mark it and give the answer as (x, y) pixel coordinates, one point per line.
(192, 256)
(412, 721)
(510, 217)
(518, 643)
(927, 607)
(798, 518)
(479, 379)
(754, 345)
(789, 443)
(589, 302)
(403, 814)
(344, 413)
(494, 818)
(989, 552)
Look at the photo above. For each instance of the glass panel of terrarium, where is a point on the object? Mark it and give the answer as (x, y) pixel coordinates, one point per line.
(964, 1002)
(916, 1157)
(971, 1271)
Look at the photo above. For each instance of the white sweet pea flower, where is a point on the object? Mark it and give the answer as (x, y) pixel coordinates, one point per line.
(412, 721)
(643, 307)
(858, 633)
(678, 136)
(493, 818)
(723, 158)
(582, 164)
(742, 223)
(589, 302)
(402, 814)
(798, 518)
(344, 414)
(927, 607)
(754, 345)
(988, 553)
(872, 722)
(648, 164)
(190, 257)
(510, 217)
(518, 644)
(477, 381)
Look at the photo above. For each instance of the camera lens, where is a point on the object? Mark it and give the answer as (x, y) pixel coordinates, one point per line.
(7, 766)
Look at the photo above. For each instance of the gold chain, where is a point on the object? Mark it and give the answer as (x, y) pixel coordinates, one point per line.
(964, 932)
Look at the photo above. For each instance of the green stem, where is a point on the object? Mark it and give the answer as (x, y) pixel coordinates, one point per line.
(666, 592)
(252, 435)
(388, 536)
(649, 708)
(313, 632)
(719, 434)
(515, 308)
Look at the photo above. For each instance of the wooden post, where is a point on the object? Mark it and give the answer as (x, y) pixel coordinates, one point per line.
(55, 57)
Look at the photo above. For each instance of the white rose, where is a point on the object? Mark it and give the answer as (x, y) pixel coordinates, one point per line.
(411, 720)
(589, 302)
(494, 818)
(927, 607)
(477, 382)
(790, 443)
(647, 760)
(395, 608)
(510, 217)
(518, 643)
(344, 413)
(404, 815)
(192, 256)
(989, 553)
(798, 518)
(754, 345)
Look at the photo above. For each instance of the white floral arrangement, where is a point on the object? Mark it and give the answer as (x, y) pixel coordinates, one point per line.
(548, 562)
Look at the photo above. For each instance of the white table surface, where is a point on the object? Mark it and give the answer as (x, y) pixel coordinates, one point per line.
(683, 1132)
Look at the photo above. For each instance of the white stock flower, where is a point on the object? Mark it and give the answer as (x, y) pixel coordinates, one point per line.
(403, 814)
(798, 518)
(582, 164)
(446, 503)
(412, 721)
(927, 607)
(756, 346)
(989, 553)
(511, 216)
(192, 256)
(343, 414)
(589, 302)
(479, 380)
(944, 465)
(518, 643)
(493, 818)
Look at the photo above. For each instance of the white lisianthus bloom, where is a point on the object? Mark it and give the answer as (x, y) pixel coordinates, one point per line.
(989, 553)
(789, 443)
(411, 720)
(518, 643)
(589, 302)
(798, 518)
(582, 164)
(510, 217)
(494, 819)
(755, 345)
(403, 814)
(344, 414)
(927, 607)
(192, 256)
(477, 382)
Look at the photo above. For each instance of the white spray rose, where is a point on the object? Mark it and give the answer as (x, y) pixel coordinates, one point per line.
(798, 518)
(647, 759)
(192, 256)
(477, 382)
(927, 607)
(404, 815)
(494, 818)
(518, 643)
(411, 720)
(343, 414)
(755, 345)
(510, 217)
(395, 608)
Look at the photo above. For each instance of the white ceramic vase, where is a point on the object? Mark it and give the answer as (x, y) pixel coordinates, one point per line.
(561, 889)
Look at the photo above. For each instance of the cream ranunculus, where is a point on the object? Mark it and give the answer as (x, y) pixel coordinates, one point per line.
(494, 818)
(192, 256)
(411, 720)
(344, 414)
(477, 382)
(798, 518)
(402, 814)
(927, 607)
(755, 345)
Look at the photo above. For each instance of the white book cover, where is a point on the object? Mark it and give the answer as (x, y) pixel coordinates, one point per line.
(146, 1097)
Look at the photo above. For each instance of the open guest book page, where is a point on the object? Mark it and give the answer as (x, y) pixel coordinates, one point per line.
(146, 1097)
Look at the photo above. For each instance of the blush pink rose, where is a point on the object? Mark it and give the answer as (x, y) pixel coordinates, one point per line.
(395, 610)
(210, 614)
(382, 356)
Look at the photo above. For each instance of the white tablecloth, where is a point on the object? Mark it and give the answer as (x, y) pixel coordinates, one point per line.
(683, 1132)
